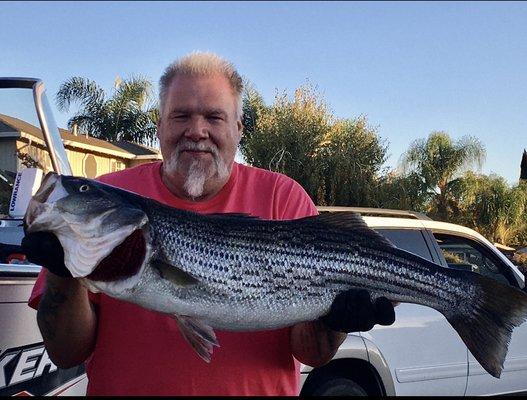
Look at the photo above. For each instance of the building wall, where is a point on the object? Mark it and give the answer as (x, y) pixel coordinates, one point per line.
(8, 160)
(88, 165)
(35, 152)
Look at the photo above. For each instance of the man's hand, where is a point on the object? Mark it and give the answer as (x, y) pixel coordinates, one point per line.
(43, 248)
(353, 311)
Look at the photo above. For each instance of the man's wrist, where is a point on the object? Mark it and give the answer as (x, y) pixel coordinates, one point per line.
(322, 326)
(62, 282)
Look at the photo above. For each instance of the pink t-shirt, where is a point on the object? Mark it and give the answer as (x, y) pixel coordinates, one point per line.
(142, 352)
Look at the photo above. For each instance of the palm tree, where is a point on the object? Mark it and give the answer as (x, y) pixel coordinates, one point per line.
(128, 114)
(439, 161)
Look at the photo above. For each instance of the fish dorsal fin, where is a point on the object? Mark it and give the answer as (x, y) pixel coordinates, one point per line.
(350, 221)
(174, 274)
(198, 334)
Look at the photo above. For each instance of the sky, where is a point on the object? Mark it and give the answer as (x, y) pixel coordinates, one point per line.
(410, 67)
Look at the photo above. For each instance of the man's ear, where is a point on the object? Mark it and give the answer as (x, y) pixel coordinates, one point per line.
(240, 128)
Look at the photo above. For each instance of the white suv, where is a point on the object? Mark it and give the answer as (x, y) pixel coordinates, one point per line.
(421, 354)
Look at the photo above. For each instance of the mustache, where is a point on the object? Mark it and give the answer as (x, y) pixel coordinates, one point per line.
(196, 146)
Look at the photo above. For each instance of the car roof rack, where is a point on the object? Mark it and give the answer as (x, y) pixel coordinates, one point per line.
(379, 212)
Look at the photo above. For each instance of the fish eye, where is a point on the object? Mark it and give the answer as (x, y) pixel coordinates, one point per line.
(84, 188)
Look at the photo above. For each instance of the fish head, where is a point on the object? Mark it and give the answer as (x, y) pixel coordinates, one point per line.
(91, 220)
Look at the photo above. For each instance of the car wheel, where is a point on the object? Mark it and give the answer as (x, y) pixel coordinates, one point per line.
(339, 386)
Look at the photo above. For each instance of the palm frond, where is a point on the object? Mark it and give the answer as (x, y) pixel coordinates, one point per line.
(81, 90)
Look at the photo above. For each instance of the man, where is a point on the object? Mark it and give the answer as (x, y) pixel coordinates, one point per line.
(131, 350)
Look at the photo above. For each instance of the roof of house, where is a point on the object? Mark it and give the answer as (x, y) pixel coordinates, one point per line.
(136, 148)
(123, 148)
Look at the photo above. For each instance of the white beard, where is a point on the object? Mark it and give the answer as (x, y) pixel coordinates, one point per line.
(198, 172)
(195, 180)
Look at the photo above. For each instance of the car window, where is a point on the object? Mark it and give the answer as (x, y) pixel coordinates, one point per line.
(463, 253)
(411, 240)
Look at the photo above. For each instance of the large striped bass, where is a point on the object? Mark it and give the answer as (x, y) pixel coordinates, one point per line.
(240, 273)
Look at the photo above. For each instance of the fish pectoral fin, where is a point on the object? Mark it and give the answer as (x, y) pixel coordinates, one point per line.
(198, 334)
(174, 274)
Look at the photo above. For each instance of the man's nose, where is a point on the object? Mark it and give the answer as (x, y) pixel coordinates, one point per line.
(197, 129)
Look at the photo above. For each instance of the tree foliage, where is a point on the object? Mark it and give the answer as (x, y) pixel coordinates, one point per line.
(493, 208)
(286, 137)
(350, 158)
(401, 192)
(335, 161)
(128, 113)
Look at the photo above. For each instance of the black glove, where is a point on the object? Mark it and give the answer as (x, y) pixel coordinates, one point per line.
(43, 248)
(353, 311)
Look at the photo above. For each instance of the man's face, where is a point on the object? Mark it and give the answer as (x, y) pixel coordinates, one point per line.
(198, 131)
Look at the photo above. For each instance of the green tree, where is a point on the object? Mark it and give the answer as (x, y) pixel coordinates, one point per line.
(493, 208)
(350, 158)
(401, 192)
(335, 161)
(128, 113)
(286, 136)
(253, 107)
(439, 161)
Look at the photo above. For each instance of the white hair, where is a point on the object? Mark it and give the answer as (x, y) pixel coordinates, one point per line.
(200, 63)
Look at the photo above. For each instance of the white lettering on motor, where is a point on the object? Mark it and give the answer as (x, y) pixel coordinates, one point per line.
(3, 363)
(31, 363)
(44, 362)
(25, 368)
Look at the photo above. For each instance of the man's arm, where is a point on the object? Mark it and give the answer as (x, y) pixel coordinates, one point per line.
(67, 321)
(66, 318)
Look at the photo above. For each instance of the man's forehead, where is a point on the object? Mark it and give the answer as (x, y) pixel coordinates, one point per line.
(197, 108)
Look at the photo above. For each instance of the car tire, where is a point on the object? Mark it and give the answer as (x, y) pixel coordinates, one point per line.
(339, 386)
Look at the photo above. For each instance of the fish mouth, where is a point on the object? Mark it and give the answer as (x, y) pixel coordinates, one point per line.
(124, 261)
(50, 190)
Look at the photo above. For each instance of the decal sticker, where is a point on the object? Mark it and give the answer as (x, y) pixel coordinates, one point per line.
(28, 371)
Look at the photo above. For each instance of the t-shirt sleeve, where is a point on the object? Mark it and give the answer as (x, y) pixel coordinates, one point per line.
(292, 201)
(38, 290)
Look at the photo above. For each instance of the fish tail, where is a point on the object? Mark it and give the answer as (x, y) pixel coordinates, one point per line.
(487, 323)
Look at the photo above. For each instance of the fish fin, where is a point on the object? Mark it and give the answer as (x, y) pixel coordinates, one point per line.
(198, 334)
(174, 274)
(486, 327)
(348, 220)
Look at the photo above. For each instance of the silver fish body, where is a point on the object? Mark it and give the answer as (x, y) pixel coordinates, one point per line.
(235, 272)
(253, 274)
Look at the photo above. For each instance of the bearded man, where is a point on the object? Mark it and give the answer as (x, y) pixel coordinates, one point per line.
(134, 351)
